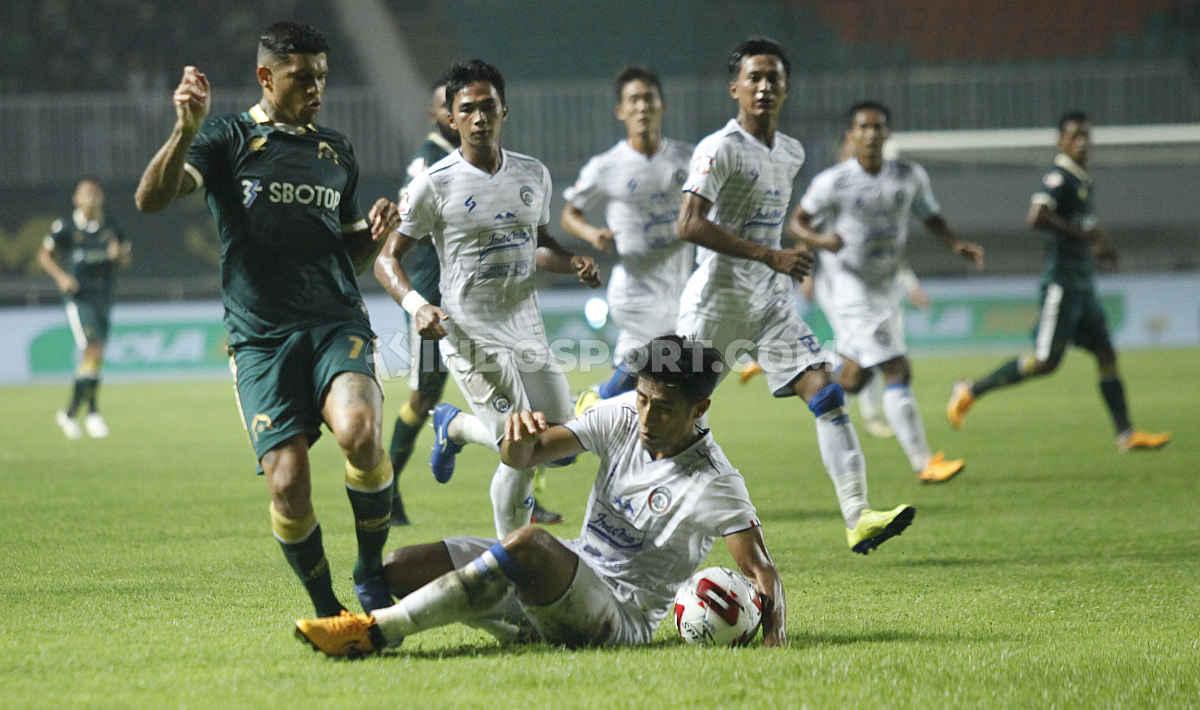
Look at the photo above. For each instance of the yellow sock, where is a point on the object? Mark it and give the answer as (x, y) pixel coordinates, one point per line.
(371, 481)
(408, 416)
(290, 530)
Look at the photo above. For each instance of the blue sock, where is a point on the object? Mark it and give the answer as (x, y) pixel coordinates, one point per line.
(829, 398)
(508, 566)
(622, 381)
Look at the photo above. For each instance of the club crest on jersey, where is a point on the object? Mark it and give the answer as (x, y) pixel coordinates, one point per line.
(527, 195)
(660, 500)
(632, 184)
(326, 152)
(257, 143)
(501, 404)
(680, 176)
(1052, 180)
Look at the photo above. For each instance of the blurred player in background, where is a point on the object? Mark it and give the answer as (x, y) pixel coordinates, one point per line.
(486, 210)
(637, 181)
(663, 493)
(866, 201)
(741, 297)
(428, 374)
(1070, 309)
(284, 194)
(93, 247)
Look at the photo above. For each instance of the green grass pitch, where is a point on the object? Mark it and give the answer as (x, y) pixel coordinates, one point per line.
(140, 570)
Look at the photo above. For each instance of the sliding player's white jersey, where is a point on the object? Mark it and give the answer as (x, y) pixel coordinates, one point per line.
(651, 523)
(870, 213)
(485, 230)
(750, 186)
(641, 197)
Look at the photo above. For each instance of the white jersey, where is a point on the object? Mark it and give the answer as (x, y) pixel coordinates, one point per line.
(750, 186)
(870, 213)
(650, 524)
(484, 228)
(641, 197)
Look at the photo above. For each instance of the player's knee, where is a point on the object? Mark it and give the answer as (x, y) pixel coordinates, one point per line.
(853, 380)
(286, 467)
(422, 402)
(811, 382)
(527, 544)
(897, 371)
(357, 435)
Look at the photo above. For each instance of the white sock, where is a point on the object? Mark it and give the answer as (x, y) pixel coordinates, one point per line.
(512, 498)
(870, 399)
(458, 595)
(900, 407)
(468, 429)
(844, 462)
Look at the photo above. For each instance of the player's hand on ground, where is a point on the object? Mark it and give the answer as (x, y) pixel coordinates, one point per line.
(971, 252)
(384, 218)
(602, 239)
(796, 262)
(68, 285)
(586, 270)
(428, 320)
(192, 99)
(521, 426)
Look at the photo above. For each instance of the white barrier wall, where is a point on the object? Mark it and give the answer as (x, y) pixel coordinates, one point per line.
(974, 314)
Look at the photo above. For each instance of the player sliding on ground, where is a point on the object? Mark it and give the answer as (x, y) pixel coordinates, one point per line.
(664, 491)
(486, 210)
(865, 201)
(741, 297)
(1070, 310)
(637, 181)
(284, 194)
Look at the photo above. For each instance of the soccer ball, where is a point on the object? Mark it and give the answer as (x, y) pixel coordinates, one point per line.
(717, 607)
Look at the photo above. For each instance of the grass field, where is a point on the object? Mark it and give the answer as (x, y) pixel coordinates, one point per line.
(140, 570)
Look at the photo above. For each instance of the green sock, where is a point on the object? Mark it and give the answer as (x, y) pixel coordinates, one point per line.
(1007, 374)
(404, 436)
(78, 395)
(91, 395)
(307, 559)
(372, 520)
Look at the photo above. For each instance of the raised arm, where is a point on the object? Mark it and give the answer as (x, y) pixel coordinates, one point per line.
(529, 440)
(968, 250)
(575, 224)
(749, 551)
(164, 178)
(551, 256)
(694, 226)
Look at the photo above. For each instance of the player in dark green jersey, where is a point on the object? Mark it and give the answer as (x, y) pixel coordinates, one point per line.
(428, 378)
(284, 194)
(1070, 310)
(92, 247)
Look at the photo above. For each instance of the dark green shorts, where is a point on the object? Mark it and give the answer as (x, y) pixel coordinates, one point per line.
(281, 386)
(1069, 316)
(89, 320)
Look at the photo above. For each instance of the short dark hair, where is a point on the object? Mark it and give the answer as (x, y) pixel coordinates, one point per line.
(636, 73)
(284, 38)
(867, 105)
(461, 74)
(754, 47)
(679, 363)
(1072, 116)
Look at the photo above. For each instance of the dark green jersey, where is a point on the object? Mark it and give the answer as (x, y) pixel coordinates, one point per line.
(282, 197)
(1067, 190)
(83, 247)
(421, 262)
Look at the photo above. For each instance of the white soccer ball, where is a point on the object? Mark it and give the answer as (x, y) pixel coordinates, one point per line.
(717, 607)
